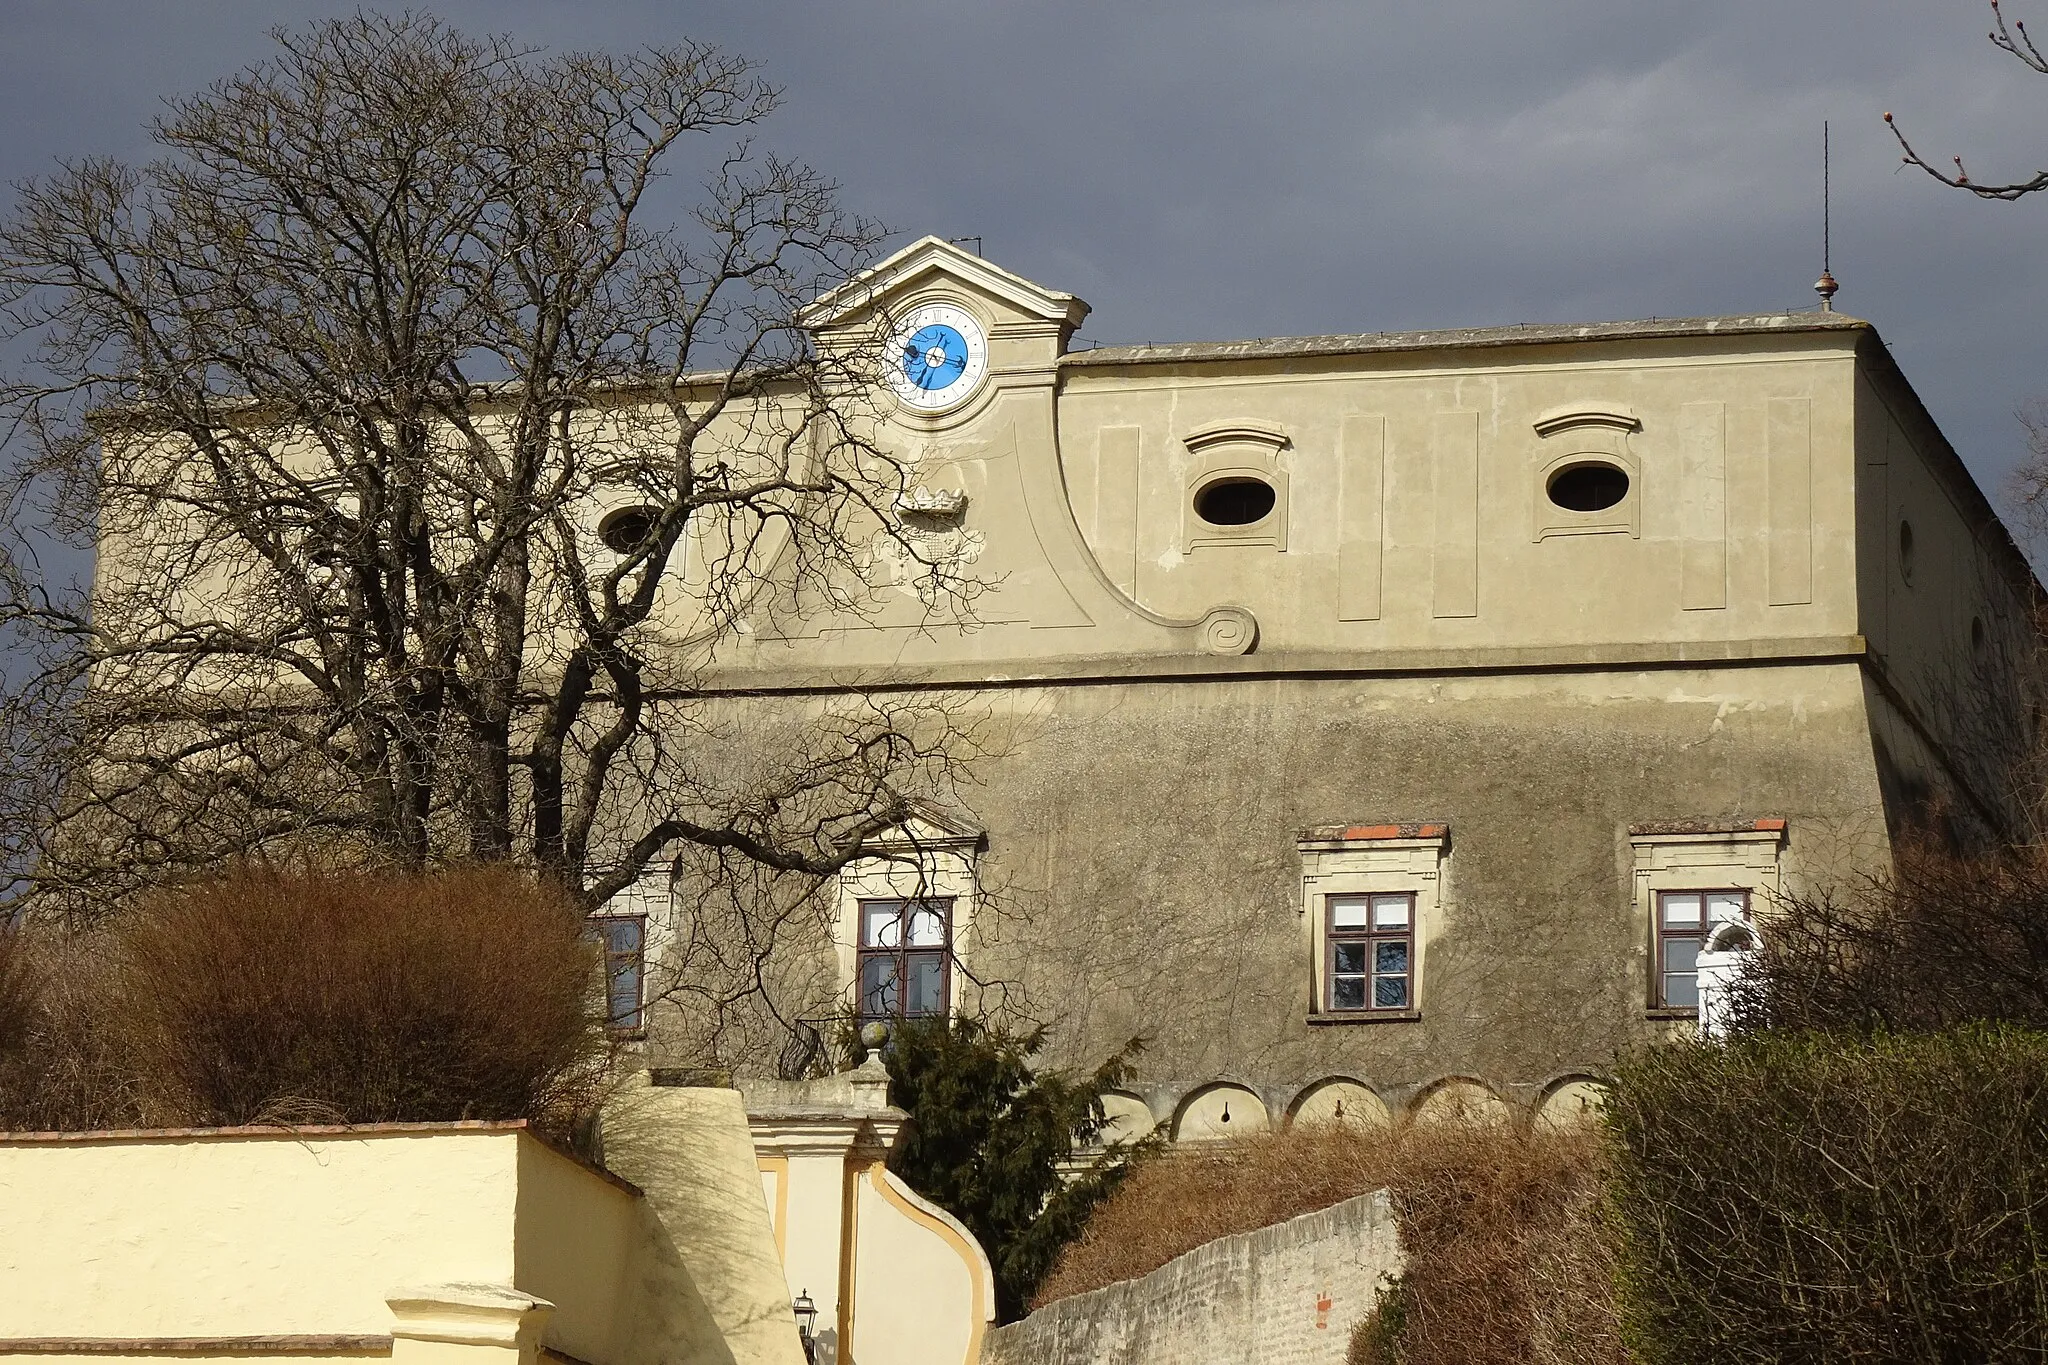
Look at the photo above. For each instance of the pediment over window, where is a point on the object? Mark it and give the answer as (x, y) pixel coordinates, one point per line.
(930, 829)
(932, 260)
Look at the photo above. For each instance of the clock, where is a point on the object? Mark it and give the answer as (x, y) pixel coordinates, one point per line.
(938, 356)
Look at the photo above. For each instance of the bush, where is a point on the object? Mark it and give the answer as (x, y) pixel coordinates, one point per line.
(1506, 1258)
(355, 997)
(60, 1059)
(20, 993)
(1195, 1193)
(1813, 1197)
(993, 1142)
(1940, 941)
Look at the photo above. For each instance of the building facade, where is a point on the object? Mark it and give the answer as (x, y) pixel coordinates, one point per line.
(1393, 719)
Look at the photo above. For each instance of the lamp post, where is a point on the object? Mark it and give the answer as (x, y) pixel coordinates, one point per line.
(806, 1323)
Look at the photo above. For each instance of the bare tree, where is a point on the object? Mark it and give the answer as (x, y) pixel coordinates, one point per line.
(425, 476)
(2012, 37)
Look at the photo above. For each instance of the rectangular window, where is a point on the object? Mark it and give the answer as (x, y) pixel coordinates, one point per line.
(624, 940)
(905, 958)
(1684, 919)
(1371, 942)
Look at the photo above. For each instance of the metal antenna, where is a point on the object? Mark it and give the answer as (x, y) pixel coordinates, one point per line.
(1825, 286)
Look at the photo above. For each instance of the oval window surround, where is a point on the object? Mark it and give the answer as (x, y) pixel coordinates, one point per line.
(1236, 486)
(625, 529)
(1586, 479)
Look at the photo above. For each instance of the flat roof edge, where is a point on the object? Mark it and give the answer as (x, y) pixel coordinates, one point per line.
(1466, 338)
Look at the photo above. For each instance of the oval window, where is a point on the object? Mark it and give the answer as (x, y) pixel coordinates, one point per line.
(1906, 550)
(627, 529)
(1234, 502)
(1588, 487)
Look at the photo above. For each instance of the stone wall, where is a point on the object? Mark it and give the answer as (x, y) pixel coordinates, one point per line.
(1284, 1295)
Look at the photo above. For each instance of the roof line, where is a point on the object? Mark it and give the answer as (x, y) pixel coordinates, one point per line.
(1521, 334)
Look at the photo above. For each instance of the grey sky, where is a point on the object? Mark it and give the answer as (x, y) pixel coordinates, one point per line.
(1207, 170)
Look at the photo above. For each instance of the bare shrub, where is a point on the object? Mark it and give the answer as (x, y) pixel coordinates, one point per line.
(1194, 1194)
(357, 997)
(61, 1065)
(18, 991)
(1506, 1255)
(1508, 1259)
(1941, 940)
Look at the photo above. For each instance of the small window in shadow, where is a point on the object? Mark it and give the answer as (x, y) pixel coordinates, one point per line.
(1234, 502)
(1588, 487)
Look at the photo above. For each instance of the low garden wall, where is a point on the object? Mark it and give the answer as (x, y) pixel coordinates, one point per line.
(427, 1244)
(1283, 1295)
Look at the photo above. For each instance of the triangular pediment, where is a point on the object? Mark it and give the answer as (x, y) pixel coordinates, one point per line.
(917, 265)
(928, 827)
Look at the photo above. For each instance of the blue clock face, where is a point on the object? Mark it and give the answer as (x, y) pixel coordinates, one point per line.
(939, 357)
(935, 356)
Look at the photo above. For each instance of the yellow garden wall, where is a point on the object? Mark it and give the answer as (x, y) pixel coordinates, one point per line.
(443, 1244)
(235, 1233)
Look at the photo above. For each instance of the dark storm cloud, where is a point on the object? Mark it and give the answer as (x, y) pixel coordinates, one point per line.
(1212, 170)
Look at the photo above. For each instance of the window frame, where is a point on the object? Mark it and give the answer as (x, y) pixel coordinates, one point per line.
(637, 1026)
(1704, 857)
(1410, 859)
(1700, 933)
(902, 953)
(1371, 935)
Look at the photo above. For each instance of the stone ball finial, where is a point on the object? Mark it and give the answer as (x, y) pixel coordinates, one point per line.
(874, 1035)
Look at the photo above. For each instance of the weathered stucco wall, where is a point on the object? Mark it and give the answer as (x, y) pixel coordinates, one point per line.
(1404, 471)
(1284, 1295)
(1142, 876)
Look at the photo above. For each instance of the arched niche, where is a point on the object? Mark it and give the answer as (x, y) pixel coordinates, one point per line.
(1218, 1111)
(1128, 1118)
(1461, 1099)
(1573, 1102)
(1340, 1099)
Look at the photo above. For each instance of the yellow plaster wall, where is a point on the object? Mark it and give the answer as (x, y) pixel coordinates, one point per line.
(1384, 420)
(575, 1238)
(246, 1234)
(899, 1240)
(712, 1287)
(267, 1234)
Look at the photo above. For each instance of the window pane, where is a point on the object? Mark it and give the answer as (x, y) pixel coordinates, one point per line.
(928, 926)
(1726, 905)
(1681, 990)
(924, 989)
(1348, 957)
(877, 985)
(1681, 954)
(1347, 912)
(881, 924)
(1389, 992)
(1682, 908)
(1390, 912)
(1390, 956)
(622, 937)
(1348, 993)
(623, 993)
